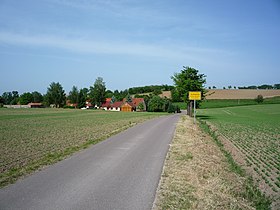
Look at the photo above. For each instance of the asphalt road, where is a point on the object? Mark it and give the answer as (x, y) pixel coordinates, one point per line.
(121, 172)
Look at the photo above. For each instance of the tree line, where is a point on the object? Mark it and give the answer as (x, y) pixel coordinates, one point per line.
(96, 94)
(260, 87)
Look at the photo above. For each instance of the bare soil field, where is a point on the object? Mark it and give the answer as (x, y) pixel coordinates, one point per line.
(32, 138)
(240, 94)
(234, 94)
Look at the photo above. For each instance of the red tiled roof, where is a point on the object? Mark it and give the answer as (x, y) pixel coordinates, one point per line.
(137, 101)
(106, 104)
(117, 104)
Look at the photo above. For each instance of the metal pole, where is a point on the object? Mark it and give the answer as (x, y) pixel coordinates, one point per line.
(194, 113)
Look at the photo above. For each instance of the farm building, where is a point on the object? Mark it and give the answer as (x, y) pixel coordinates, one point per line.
(35, 105)
(124, 105)
(128, 107)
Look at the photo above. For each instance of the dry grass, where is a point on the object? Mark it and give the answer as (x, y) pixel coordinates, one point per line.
(196, 174)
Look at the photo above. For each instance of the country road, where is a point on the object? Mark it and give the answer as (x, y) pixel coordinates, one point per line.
(121, 172)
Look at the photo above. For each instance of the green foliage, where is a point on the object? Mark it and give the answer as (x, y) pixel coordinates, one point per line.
(128, 98)
(188, 80)
(150, 89)
(156, 104)
(25, 98)
(175, 96)
(259, 99)
(97, 91)
(37, 97)
(171, 108)
(157, 92)
(109, 94)
(7, 97)
(74, 95)
(83, 94)
(276, 86)
(141, 107)
(55, 95)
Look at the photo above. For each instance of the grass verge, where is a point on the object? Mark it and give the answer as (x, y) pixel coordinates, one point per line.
(251, 193)
(197, 175)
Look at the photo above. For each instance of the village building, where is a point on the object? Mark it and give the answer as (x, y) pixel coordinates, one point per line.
(35, 105)
(123, 105)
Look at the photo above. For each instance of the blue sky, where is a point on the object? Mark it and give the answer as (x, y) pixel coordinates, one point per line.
(137, 42)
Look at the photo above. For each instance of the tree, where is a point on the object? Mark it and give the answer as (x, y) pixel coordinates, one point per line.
(141, 106)
(265, 87)
(55, 95)
(37, 97)
(229, 87)
(15, 97)
(1, 101)
(189, 80)
(7, 97)
(171, 108)
(25, 98)
(259, 99)
(109, 94)
(74, 95)
(156, 104)
(83, 95)
(214, 87)
(113, 100)
(98, 91)
(276, 86)
(128, 98)
(175, 96)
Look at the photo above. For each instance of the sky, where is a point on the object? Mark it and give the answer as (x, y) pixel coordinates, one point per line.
(132, 43)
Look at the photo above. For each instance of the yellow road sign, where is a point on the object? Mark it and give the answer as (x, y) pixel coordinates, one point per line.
(194, 95)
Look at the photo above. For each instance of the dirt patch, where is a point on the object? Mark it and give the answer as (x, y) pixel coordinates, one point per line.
(196, 174)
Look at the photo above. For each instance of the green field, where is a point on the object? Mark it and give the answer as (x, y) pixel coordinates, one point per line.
(31, 138)
(255, 131)
(220, 103)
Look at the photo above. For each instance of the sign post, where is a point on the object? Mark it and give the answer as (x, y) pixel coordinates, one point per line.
(194, 95)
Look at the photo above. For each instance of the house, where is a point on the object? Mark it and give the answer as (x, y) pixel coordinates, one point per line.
(137, 101)
(35, 105)
(124, 105)
(107, 104)
(68, 103)
(116, 106)
(128, 107)
(89, 105)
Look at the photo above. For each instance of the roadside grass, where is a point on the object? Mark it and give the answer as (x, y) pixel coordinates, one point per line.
(197, 175)
(33, 138)
(220, 103)
(250, 136)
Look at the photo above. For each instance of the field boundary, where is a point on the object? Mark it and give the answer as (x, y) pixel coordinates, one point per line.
(237, 164)
(50, 158)
(197, 175)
